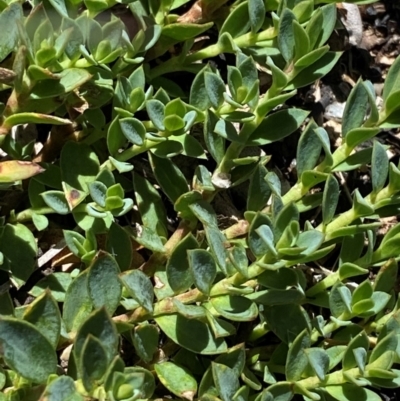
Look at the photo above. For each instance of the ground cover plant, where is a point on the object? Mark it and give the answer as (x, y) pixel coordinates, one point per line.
(124, 127)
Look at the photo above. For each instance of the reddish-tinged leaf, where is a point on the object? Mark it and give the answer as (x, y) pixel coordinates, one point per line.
(15, 170)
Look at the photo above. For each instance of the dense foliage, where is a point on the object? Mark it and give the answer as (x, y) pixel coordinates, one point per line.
(137, 132)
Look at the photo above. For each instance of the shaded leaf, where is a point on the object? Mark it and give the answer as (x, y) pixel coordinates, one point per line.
(44, 314)
(203, 268)
(181, 329)
(26, 350)
(177, 379)
(104, 286)
(139, 287)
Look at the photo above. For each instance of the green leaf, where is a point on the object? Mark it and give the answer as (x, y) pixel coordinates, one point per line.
(170, 178)
(256, 14)
(139, 287)
(190, 311)
(203, 268)
(148, 238)
(361, 206)
(100, 325)
(215, 143)
(94, 362)
(360, 135)
(297, 361)
(285, 216)
(363, 292)
(61, 389)
(177, 379)
(83, 170)
(215, 88)
(277, 297)
(19, 250)
(70, 79)
(236, 308)
(386, 277)
(282, 391)
(302, 42)
(26, 350)
(198, 91)
(347, 270)
(238, 257)
(145, 340)
(330, 199)
(78, 304)
(180, 276)
(44, 314)
(237, 22)
(75, 242)
(115, 137)
(279, 279)
(190, 146)
(57, 201)
(340, 300)
(360, 355)
(120, 246)
(167, 149)
(175, 107)
(277, 126)
(349, 358)
(98, 192)
(235, 81)
(259, 191)
(314, 27)
(228, 131)
(308, 149)
(133, 130)
(57, 283)
(350, 392)
(355, 161)
(181, 329)
(394, 179)
(226, 381)
(185, 31)
(115, 190)
(6, 309)
(217, 242)
(303, 10)
(392, 81)
(388, 343)
(59, 6)
(121, 167)
(329, 13)
(174, 123)
(279, 78)
(355, 109)
(103, 283)
(286, 39)
(286, 321)
(257, 243)
(315, 71)
(319, 361)
(379, 167)
(156, 111)
(33, 118)
(9, 19)
(311, 58)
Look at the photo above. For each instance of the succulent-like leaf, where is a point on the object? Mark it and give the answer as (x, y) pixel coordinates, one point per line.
(26, 350)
